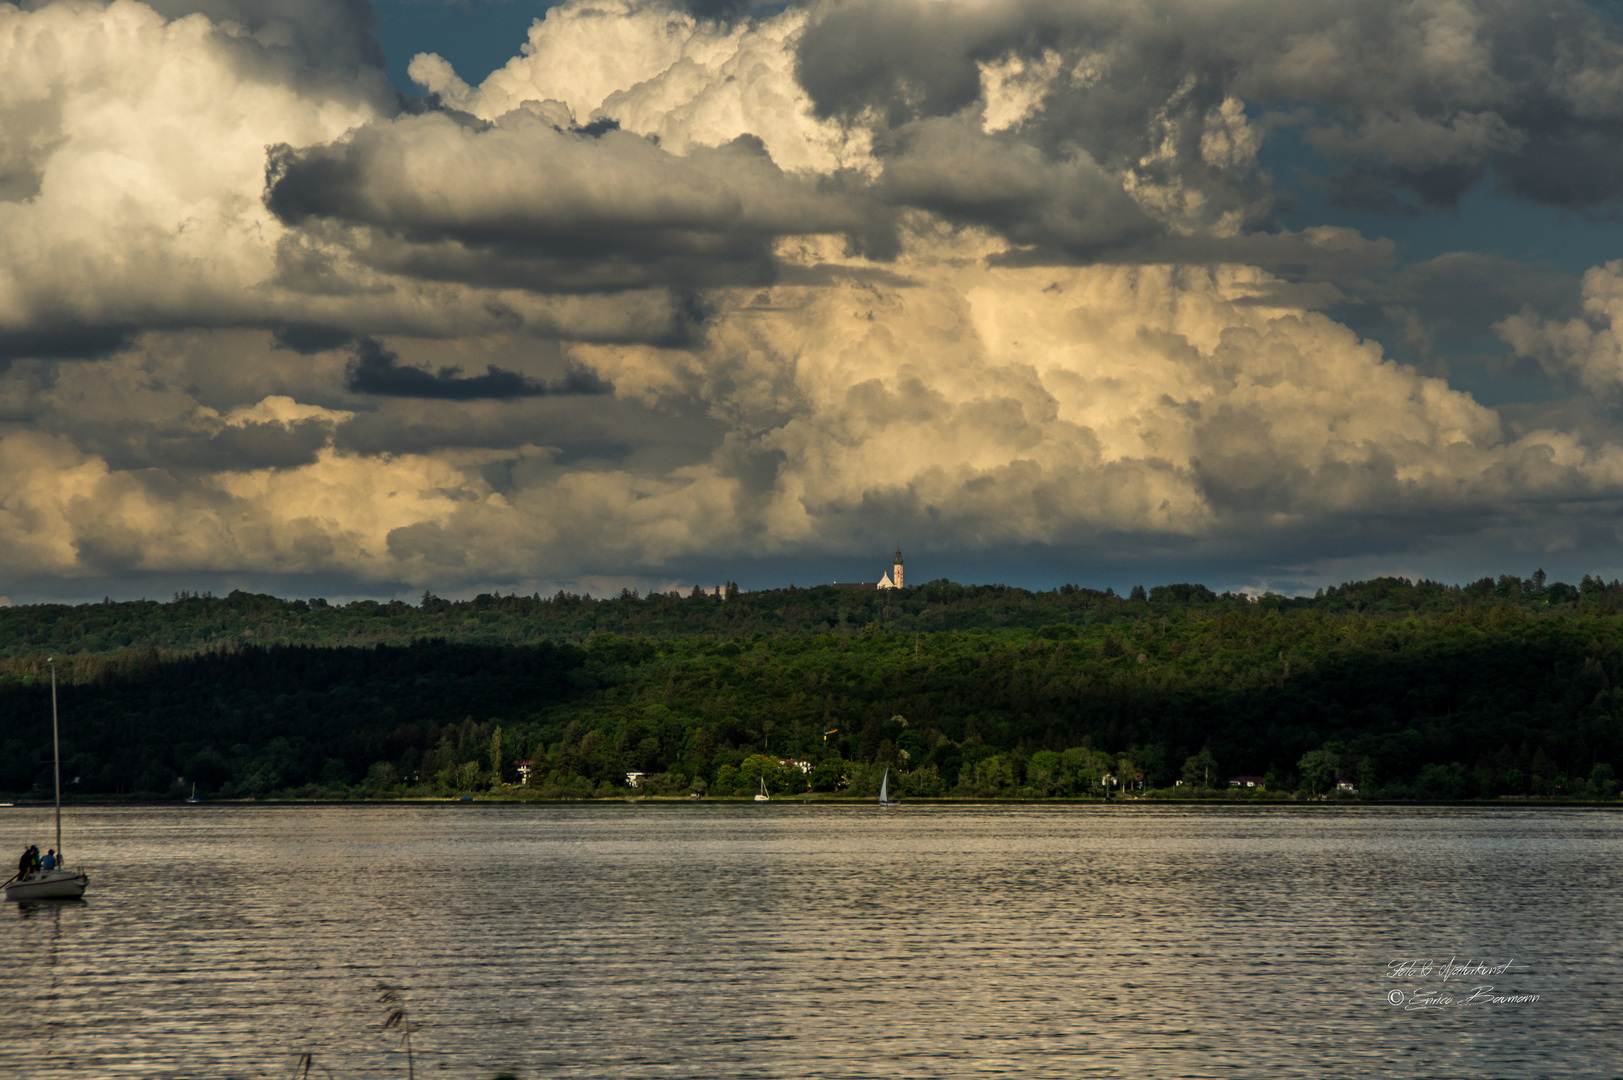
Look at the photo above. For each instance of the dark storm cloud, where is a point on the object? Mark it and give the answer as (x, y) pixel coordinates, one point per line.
(309, 338)
(1421, 100)
(527, 204)
(905, 60)
(952, 168)
(242, 447)
(376, 370)
(65, 338)
(1429, 100)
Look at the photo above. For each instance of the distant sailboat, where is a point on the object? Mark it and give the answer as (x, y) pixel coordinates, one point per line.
(194, 792)
(56, 883)
(763, 796)
(884, 789)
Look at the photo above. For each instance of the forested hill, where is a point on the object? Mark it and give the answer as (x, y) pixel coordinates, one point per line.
(1501, 689)
(190, 623)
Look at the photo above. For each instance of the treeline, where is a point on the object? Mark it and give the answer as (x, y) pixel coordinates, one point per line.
(191, 622)
(1396, 689)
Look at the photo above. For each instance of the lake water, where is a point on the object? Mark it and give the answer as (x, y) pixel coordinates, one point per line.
(780, 940)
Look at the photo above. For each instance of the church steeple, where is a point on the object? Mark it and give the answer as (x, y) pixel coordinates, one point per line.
(896, 574)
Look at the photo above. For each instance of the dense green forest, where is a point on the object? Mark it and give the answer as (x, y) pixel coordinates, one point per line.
(1398, 689)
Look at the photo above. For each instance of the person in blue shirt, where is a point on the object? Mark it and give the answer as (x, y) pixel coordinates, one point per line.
(49, 862)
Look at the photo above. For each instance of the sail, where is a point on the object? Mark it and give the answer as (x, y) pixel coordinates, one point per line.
(884, 788)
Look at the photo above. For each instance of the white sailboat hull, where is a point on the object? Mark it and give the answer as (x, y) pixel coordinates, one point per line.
(48, 885)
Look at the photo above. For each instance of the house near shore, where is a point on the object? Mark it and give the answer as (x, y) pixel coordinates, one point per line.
(1246, 782)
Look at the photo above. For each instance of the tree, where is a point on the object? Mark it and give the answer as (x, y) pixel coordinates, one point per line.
(1130, 768)
(1318, 768)
(827, 774)
(1044, 770)
(1199, 768)
(757, 769)
(381, 779)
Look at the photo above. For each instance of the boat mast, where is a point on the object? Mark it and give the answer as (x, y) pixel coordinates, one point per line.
(56, 755)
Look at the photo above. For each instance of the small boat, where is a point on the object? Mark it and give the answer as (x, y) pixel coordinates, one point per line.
(48, 885)
(57, 883)
(884, 789)
(762, 796)
(194, 797)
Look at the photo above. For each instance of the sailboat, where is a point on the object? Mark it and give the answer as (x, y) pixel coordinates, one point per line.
(57, 883)
(763, 796)
(194, 792)
(884, 789)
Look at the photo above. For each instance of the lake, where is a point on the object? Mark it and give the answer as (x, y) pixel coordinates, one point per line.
(782, 940)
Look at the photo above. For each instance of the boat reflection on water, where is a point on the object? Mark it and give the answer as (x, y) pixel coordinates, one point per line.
(51, 908)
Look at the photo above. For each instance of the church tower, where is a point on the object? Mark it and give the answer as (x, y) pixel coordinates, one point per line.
(896, 575)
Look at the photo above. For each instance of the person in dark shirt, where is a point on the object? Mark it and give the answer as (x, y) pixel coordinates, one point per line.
(49, 862)
(30, 860)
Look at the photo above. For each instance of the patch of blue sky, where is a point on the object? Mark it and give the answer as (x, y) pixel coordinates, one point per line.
(476, 36)
(1486, 220)
(1550, 241)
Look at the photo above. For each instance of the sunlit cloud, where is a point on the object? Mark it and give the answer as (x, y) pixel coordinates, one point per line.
(677, 288)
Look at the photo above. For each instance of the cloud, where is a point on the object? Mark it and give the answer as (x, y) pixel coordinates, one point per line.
(679, 284)
(951, 167)
(1589, 347)
(311, 39)
(559, 209)
(1423, 97)
(375, 370)
(1428, 97)
(144, 141)
(660, 72)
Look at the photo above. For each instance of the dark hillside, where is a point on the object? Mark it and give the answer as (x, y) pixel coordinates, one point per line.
(189, 623)
(1402, 689)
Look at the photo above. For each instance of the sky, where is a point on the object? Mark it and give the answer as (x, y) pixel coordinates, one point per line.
(316, 297)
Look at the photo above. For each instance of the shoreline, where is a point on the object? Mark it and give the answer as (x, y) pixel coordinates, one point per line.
(1515, 802)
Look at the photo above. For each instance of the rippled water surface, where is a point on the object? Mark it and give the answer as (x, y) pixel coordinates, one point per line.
(818, 941)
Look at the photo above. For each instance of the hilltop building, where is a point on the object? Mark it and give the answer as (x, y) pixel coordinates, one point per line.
(892, 580)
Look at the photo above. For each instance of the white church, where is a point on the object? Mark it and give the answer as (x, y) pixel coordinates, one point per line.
(892, 580)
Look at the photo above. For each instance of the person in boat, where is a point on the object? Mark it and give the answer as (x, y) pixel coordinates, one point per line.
(28, 862)
(49, 862)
